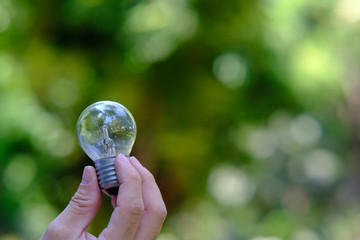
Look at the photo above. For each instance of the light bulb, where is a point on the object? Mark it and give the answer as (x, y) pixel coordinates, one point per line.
(105, 129)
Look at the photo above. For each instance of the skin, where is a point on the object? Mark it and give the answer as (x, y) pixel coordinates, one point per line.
(139, 210)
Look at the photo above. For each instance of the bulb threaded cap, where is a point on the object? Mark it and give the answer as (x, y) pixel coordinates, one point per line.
(106, 173)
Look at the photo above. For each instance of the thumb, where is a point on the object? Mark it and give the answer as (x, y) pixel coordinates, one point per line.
(83, 206)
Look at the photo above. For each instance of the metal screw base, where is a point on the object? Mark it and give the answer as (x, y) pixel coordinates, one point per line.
(107, 179)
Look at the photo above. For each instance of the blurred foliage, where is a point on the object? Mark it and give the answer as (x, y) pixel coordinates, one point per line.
(247, 111)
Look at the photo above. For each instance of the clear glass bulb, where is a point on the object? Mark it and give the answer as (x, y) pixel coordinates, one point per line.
(105, 129)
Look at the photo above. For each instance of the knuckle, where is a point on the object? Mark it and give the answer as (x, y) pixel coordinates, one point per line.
(148, 176)
(79, 202)
(134, 177)
(160, 213)
(136, 207)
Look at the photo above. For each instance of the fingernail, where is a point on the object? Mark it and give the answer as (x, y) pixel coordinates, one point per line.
(124, 159)
(87, 176)
(135, 161)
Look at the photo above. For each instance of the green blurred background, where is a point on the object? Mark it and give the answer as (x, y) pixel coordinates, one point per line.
(247, 111)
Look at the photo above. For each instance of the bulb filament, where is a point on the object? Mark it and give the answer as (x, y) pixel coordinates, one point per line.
(108, 143)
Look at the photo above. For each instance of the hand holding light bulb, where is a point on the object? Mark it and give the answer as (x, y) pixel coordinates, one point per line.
(105, 129)
(139, 210)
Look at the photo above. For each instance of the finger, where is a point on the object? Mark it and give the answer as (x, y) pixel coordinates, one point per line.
(155, 210)
(129, 204)
(113, 201)
(76, 217)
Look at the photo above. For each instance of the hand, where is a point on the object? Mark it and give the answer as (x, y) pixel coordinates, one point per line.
(139, 210)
